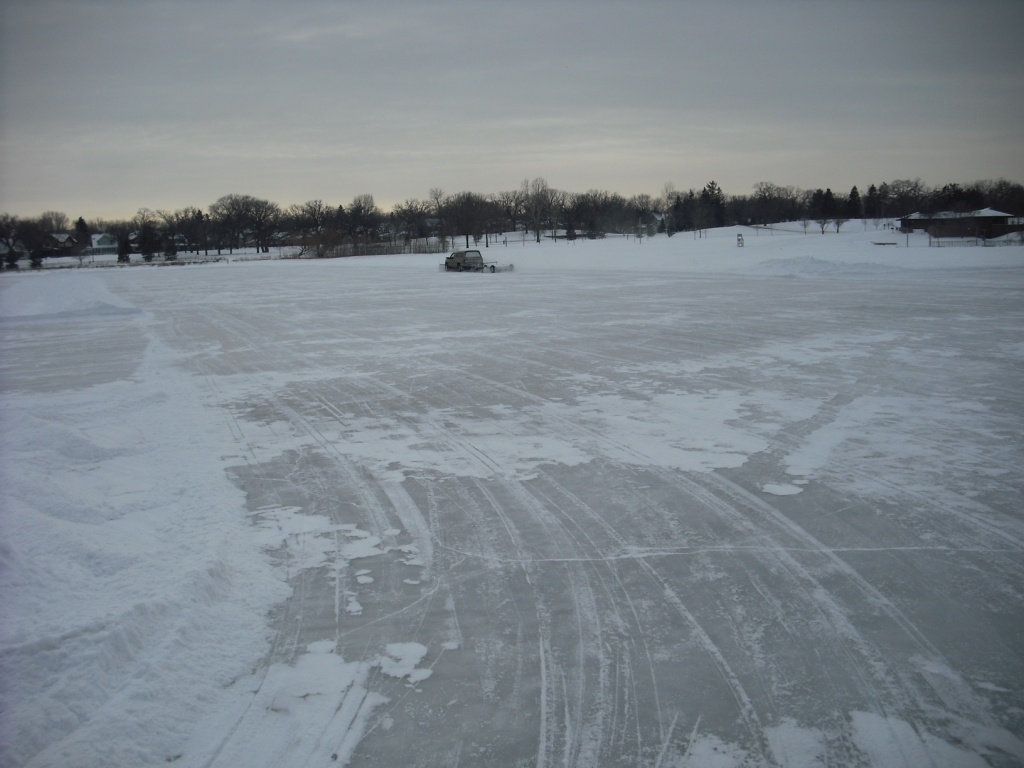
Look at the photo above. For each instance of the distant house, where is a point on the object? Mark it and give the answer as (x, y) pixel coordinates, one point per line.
(19, 249)
(986, 223)
(103, 243)
(60, 243)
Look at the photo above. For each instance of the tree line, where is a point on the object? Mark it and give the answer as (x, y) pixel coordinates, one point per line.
(536, 209)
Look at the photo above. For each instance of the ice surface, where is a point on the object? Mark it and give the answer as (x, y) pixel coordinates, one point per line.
(666, 503)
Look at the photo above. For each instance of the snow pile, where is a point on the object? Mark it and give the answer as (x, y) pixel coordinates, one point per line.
(62, 297)
(127, 580)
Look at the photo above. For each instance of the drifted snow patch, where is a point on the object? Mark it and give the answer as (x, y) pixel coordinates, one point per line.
(312, 712)
(781, 489)
(401, 660)
(63, 297)
(889, 741)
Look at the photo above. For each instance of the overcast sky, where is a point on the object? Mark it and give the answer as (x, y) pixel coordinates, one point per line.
(107, 106)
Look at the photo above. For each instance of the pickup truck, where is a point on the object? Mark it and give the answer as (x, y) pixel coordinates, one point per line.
(464, 261)
(472, 261)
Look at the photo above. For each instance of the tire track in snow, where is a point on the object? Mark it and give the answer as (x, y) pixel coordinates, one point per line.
(368, 499)
(280, 646)
(570, 734)
(862, 658)
(579, 744)
(745, 707)
(865, 660)
(606, 571)
(726, 511)
(812, 577)
(967, 702)
(744, 704)
(795, 437)
(555, 525)
(583, 602)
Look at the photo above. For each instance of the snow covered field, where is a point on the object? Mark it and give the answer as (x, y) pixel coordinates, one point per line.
(668, 503)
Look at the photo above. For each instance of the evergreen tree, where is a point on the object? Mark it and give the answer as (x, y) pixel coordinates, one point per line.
(712, 201)
(9, 239)
(823, 208)
(33, 237)
(82, 234)
(884, 200)
(872, 204)
(124, 244)
(149, 241)
(854, 207)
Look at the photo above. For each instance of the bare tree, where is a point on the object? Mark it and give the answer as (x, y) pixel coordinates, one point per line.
(838, 221)
(315, 226)
(701, 217)
(495, 220)
(9, 239)
(573, 207)
(54, 221)
(411, 219)
(147, 235)
(174, 227)
(602, 212)
(228, 218)
(461, 214)
(538, 204)
(262, 218)
(363, 219)
(668, 194)
(907, 195)
(511, 204)
(185, 225)
(1003, 195)
(767, 202)
(665, 203)
(437, 199)
(556, 205)
(642, 208)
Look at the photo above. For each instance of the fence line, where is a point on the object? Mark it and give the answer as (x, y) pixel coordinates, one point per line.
(960, 242)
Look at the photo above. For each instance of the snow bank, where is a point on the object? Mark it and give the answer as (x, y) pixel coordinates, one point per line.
(59, 297)
(125, 568)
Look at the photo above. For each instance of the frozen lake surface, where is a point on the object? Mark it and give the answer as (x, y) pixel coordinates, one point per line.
(672, 503)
